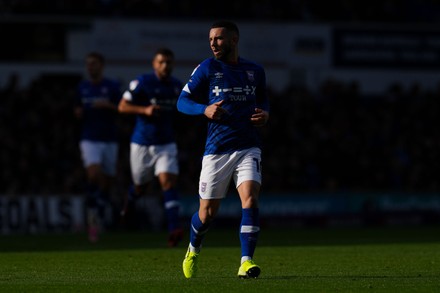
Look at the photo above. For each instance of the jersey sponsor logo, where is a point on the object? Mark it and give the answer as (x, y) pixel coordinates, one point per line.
(237, 98)
(165, 104)
(218, 75)
(248, 90)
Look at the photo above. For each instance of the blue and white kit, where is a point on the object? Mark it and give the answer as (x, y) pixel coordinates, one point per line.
(242, 87)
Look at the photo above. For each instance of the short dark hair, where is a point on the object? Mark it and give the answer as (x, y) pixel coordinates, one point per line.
(229, 25)
(96, 55)
(164, 51)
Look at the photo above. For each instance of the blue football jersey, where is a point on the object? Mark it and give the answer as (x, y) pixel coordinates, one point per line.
(147, 90)
(242, 86)
(98, 124)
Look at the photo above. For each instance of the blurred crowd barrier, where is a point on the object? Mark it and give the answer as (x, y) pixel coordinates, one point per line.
(55, 213)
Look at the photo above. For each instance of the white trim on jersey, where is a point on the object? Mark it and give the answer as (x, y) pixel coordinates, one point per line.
(186, 89)
(127, 96)
(133, 84)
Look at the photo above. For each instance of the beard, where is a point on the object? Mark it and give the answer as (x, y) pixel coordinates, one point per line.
(224, 53)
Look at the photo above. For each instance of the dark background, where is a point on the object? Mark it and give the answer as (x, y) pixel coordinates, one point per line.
(333, 138)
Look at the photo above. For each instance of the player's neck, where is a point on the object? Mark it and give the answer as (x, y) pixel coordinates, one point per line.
(162, 77)
(232, 60)
(96, 80)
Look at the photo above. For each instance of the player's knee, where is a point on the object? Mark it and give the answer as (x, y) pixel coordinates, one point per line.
(206, 217)
(208, 212)
(249, 202)
(141, 190)
(167, 181)
(167, 185)
(94, 173)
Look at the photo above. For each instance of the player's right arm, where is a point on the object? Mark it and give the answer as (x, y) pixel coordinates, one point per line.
(128, 106)
(215, 111)
(187, 105)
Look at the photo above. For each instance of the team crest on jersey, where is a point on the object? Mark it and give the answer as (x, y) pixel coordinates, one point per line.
(250, 75)
(203, 187)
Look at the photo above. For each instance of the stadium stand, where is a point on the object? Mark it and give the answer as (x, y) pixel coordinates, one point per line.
(334, 139)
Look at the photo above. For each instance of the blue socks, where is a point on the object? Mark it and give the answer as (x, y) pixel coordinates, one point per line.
(249, 231)
(198, 230)
(96, 201)
(172, 204)
(132, 196)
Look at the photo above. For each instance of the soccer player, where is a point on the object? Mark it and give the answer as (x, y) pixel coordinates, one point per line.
(97, 108)
(231, 92)
(153, 149)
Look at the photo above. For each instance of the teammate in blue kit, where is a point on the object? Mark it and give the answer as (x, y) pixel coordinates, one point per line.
(153, 149)
(97, 108)
(231, 92)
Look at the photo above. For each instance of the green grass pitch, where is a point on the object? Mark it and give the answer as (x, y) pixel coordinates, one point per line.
(292, 260)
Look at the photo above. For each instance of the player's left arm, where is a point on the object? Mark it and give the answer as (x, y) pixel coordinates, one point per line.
(261, 115)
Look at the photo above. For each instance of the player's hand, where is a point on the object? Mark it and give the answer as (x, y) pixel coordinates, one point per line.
(215, 111)
(260, 117)
(152, 110)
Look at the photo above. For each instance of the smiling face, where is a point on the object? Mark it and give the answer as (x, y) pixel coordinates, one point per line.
(223, 44)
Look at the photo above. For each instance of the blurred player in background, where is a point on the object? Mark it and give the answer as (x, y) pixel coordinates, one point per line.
(231, 92)
(153, 149)
(96, 106)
